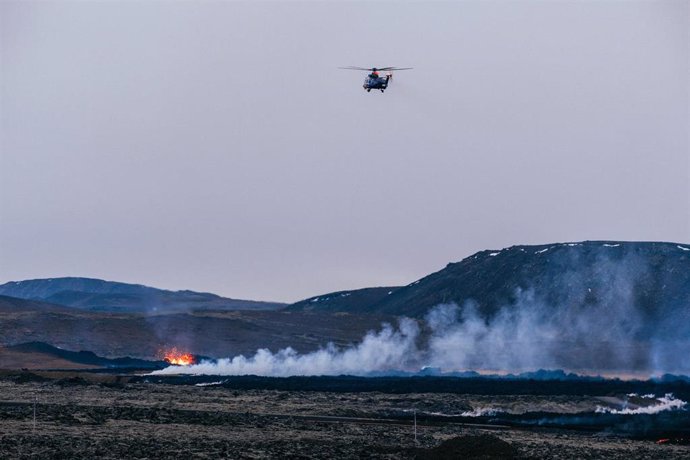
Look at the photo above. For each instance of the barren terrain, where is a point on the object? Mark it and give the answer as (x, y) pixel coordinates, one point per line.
(82, 415)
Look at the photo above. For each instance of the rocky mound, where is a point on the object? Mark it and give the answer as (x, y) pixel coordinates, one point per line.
(86, 358)
(486, 447)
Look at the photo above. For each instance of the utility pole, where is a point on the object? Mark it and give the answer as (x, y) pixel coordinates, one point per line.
(35, 399)
(415, 426)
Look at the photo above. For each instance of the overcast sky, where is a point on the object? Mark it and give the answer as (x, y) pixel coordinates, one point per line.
(215, 145)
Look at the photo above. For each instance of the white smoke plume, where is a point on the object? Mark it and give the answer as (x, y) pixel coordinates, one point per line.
(592, 324)
(665, 403)
(476, 412)
(386, 350)
(480, 412)
(524, 337)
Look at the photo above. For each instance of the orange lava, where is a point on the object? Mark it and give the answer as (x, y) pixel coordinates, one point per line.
(177, 357)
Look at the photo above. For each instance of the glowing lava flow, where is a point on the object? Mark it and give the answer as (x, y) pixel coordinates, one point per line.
(178, 358)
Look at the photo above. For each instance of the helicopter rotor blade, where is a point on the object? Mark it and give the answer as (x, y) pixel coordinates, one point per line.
(383, 69)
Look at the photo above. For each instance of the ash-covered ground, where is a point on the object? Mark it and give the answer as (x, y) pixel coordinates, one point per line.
(85, 415)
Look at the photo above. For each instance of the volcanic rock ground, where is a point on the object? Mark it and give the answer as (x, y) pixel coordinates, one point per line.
(81, 415)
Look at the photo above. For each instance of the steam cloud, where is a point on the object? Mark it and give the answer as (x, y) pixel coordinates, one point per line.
(593, 324)
(379, 351)
(665, 403)
(518, 339)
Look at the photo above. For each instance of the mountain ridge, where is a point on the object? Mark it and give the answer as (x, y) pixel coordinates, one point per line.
(101, 295)
(657, 273)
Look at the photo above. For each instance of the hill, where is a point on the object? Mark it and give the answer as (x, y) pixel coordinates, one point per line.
(99, 295)
(203, 332)
(10, 305)
(655, 277)
(357, 301)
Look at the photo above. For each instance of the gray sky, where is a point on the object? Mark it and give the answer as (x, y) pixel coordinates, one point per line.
(215, 146)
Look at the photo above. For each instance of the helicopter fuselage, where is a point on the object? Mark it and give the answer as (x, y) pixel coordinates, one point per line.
(380, 83)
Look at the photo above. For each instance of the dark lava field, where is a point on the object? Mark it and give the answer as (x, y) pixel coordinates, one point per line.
(81, 415)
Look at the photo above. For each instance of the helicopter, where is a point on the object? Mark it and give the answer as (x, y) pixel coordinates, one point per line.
(373, 80)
